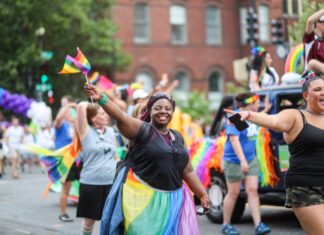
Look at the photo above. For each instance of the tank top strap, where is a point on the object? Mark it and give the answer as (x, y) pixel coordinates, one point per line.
(303, 116)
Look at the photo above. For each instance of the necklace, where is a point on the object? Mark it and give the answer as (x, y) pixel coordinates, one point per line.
(319, 114)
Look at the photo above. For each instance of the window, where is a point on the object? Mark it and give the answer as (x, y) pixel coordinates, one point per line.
(213, 26)
(178, 21)
(147, 78)
(292, 7)
(215, 83)
(243, 29)
(184, 81)
(264, 28)
(141, 23)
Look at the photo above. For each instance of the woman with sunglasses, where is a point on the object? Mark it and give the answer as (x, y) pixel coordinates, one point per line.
(303, 131)
(99, 162)
(155, 199)
(241, 165)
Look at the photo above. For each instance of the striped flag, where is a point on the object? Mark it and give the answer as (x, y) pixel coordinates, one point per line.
(76, 65)
(94, 78)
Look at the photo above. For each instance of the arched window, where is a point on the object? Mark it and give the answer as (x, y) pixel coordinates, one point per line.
(147, 78)
(184, 81)
(178, 21)
(213, 26)
(141, 23)
(215, 82)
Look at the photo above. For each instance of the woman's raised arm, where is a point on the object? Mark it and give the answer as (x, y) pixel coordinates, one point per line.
(127, 125)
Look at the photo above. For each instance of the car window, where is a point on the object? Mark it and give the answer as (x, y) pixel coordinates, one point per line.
(290, 101)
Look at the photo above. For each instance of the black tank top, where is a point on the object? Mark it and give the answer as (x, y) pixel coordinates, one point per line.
(156, 162)
(307, 157)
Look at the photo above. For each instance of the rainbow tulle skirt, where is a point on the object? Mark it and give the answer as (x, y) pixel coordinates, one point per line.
(143, 210)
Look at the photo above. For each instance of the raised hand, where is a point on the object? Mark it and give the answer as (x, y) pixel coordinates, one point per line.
(92, 91)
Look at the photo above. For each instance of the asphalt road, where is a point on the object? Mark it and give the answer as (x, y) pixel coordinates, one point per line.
(23, 211)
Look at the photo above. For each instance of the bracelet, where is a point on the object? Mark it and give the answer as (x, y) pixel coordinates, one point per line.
(104, 99)
(203, 197)
(248, 116)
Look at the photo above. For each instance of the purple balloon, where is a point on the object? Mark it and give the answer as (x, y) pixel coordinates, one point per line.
(5, 93)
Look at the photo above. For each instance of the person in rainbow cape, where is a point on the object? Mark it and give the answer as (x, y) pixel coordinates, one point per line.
(303, 131)
(262, 74)
(240, 164)
(154, 197)
(313, 43)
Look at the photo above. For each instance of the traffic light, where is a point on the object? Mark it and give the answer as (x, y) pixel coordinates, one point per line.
(276, 31)
(44, 78)
(50, 97)
(252, 28)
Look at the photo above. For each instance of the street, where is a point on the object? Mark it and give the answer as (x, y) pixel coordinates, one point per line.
(23, 211)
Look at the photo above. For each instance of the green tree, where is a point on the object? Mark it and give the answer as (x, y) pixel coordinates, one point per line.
(196, 105)
(87, 24)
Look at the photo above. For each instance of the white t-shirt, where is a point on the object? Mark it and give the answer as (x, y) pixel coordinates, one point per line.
(27, 139)
(14, 134)
(267, 80)
(45, 138)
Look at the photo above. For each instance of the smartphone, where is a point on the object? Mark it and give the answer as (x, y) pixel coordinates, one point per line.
(236, 120)
(202, 211)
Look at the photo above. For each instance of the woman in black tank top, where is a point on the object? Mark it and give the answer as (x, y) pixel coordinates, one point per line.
(304, 133)
(159, 163)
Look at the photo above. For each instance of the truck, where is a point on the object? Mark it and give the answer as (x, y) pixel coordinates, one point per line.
(282, 97)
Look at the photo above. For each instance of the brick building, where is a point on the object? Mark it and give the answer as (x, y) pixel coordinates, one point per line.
(193, 41)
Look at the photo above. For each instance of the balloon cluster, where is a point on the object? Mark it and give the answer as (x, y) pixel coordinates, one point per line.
(19, 104)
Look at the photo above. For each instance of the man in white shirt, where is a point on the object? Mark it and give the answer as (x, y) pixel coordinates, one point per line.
(13, 137)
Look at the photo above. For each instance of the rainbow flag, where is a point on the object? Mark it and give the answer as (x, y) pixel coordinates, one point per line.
(76, 65)
(60, 161)
(94, 78)
(83, 60)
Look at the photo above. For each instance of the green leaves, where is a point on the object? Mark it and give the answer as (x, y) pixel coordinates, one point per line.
(68, 24)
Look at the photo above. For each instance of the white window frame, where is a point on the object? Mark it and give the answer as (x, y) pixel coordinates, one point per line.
(178, 19)
(148, 77)
(215, 27)
(264, 24)
(143, 23)
(243, 25)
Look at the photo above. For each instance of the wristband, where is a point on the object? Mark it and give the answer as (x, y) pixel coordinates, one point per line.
(248, 116)
(203, 197)
(104, 99)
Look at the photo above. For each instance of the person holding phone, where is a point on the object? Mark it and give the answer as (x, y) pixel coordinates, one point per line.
(303, 131)
(241, 165)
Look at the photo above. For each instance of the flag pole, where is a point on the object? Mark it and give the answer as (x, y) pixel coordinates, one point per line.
(86, 76)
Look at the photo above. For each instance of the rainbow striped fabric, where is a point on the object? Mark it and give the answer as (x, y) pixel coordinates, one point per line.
(94, 78)
(207, 153)
(60, 161)
(148, 211)
(76, 65)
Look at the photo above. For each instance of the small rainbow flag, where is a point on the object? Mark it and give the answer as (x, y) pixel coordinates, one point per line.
(60, 161)
(81, 64)
(94, 78)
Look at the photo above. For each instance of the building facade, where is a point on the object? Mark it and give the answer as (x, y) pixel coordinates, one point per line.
(193, 41)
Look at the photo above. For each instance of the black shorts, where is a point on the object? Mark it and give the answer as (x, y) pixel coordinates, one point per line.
(74, 173)
(92, 200)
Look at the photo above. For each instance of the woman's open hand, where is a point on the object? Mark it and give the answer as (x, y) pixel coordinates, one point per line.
(92, 91)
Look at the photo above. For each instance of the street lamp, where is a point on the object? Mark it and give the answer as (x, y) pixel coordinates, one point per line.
(40, 32)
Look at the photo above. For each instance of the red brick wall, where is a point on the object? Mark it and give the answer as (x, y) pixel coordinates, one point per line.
(162, 57)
